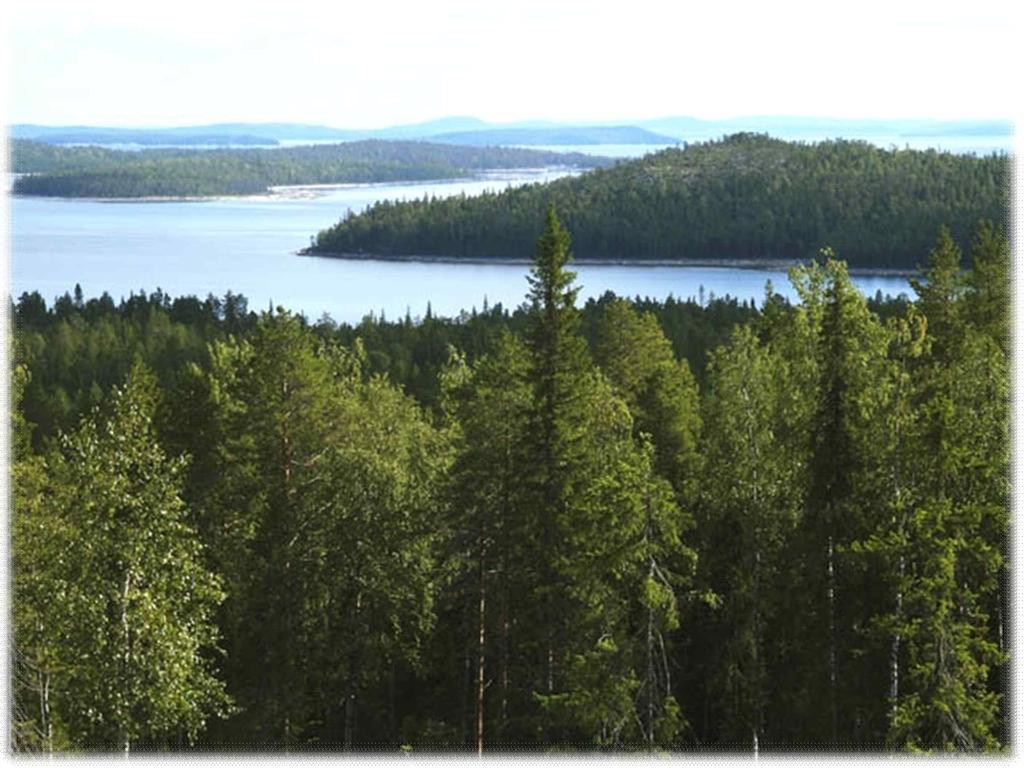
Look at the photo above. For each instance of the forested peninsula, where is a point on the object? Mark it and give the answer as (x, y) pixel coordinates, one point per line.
(746, 197)
(632, 526)
(55, 171)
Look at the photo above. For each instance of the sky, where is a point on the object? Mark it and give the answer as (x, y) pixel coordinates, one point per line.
(371, 64)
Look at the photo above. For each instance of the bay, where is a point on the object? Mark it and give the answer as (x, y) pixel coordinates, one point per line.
(249, 245)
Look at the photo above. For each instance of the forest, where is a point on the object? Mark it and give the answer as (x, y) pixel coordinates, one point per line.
(631, 525)
(746, 196)
(58, 171)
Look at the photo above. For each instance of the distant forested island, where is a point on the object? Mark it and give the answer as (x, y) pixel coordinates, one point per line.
(55, 171)
(747, 196)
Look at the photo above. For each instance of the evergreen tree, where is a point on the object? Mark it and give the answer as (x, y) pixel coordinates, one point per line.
(634, 353)
(329, 483)
(939, 290)
(836, 595)
(987, 302)
(604, 533)
(558, 362)
(491, 405)
(954, 539)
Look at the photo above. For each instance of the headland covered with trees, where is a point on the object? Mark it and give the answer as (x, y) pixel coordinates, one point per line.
(99, 172)
(634, 525)
(745, 197)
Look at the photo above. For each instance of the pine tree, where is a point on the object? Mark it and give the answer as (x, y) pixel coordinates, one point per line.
(329, 486)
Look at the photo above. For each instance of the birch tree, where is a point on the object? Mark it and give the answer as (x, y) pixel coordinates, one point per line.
(138, 600)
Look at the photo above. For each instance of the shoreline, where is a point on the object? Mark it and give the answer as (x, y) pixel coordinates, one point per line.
(780, 265)
(282, 192)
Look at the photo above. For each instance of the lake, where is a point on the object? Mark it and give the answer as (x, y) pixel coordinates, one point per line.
(248, 245)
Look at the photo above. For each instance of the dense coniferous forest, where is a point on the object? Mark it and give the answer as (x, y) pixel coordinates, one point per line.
(631, 525)
(745, 197)
(56, 171)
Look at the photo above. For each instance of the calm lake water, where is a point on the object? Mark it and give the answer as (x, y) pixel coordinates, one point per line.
(248, 246)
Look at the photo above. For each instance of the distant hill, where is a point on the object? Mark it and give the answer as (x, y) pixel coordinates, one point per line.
(196, 136)
(58, 171)
(476, 132)
(746, 197)
(561, 135)
(812, 128)
(220, 134)
(448, 130)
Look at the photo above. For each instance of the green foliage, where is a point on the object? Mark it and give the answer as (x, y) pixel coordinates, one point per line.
(127, 629)
(988, 284)
(518, 530)
(632, 350)
(749, 506)
(329, 481)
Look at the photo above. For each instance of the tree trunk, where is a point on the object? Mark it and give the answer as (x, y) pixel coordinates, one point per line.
(894, 649)
(832, 642)
(649, 725)
(289, 492)
(504, 664)
(44, 713)
(650, 673)
(551, 668)
(353, 681)
(124, 737)
(756, 597)
(350, 718)
(757, 649)
(481, 652)
(392, 718)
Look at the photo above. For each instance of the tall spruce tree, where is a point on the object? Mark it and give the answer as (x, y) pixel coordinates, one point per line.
(849, 346)
(558, 363)
(951, 698)
(604, 533)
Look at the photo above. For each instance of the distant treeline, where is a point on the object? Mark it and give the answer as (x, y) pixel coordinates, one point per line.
(744, 197)
(80, 347)
(97, 172)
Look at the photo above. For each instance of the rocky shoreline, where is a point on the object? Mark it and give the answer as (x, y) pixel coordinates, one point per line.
(781, 265)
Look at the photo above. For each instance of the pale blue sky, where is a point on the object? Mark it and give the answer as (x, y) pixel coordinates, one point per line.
(364, 64)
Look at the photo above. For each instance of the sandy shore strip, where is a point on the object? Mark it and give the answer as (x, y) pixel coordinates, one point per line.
(512, 176)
